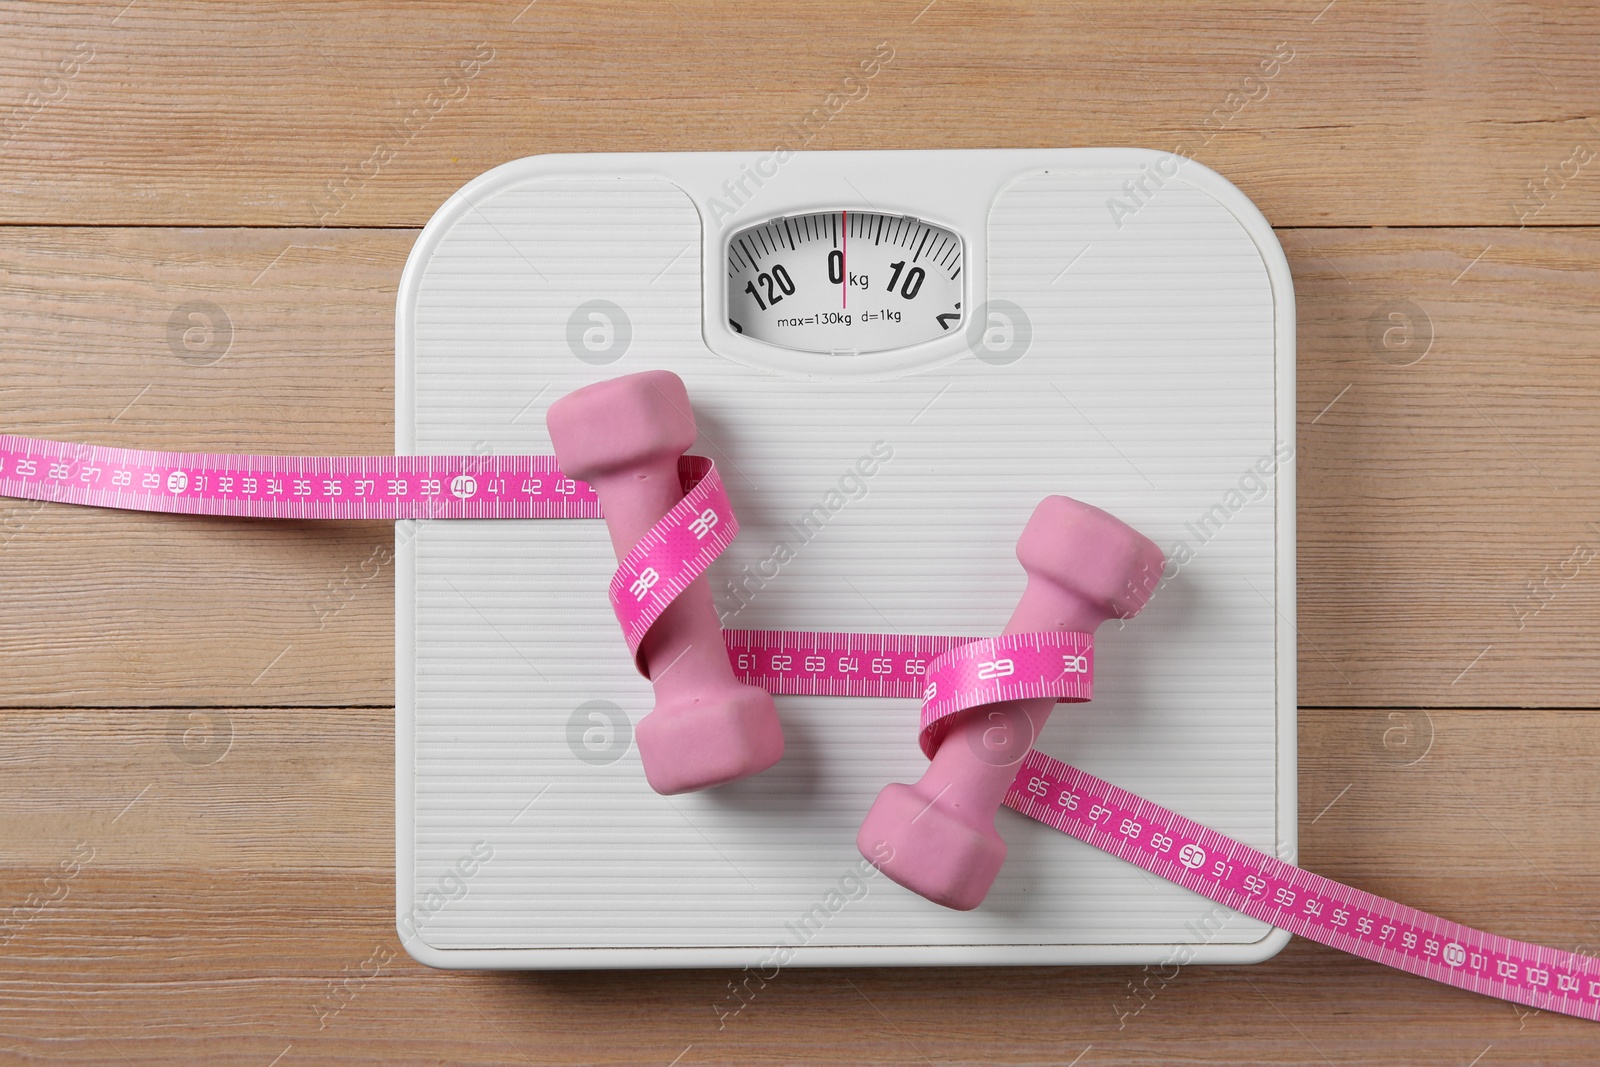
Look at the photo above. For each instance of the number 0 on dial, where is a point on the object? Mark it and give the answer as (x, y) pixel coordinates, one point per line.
(844, 282)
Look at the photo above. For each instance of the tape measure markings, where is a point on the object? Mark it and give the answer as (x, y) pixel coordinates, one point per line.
(1264, 887)
(950, 674)
(672, 553)
(1171, 846)
(293, 487)
(803, 663)
(1024, 666)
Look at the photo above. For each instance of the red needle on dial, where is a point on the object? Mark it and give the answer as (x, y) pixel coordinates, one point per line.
(844, 265)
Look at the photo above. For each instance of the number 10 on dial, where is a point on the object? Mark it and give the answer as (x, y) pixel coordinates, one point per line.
(845, 282)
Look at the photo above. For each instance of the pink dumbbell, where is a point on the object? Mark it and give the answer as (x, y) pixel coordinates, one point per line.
(1084, 566)
(624, 437)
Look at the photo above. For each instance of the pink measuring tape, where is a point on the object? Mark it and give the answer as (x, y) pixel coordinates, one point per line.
(951, 674)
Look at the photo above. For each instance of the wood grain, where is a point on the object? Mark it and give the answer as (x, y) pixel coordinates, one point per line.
(294, 354)
(1435, 113)
(1442, 499)
(1447, 499)
(231, 909)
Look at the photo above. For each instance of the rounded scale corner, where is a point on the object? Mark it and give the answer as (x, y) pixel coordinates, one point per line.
(445, 214)
(479, 189)
(510, 171)
(1246, 954)
(418, 949)
(1263, 950)
(1188, 171)
(1199, 176)
(620, 165)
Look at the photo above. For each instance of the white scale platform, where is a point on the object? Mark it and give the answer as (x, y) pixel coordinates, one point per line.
(1156, 381)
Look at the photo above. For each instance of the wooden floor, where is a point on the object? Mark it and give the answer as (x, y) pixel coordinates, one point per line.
(231, 901)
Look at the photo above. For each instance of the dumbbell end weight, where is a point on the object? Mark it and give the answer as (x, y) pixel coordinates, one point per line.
(933, 850)
(709, 739)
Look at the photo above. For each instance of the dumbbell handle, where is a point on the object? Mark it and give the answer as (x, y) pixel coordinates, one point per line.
(635, 499)
(685, 645)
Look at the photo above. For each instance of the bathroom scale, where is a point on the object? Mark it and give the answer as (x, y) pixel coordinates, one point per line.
(892, 358)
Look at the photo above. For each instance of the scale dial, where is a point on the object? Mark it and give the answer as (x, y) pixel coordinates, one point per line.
(844, 282)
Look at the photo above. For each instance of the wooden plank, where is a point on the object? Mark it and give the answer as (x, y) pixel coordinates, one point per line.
(274, 341)
(196, 709)
(1447, 487)
(1432, 493)
(267, 113)
(234, 909)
